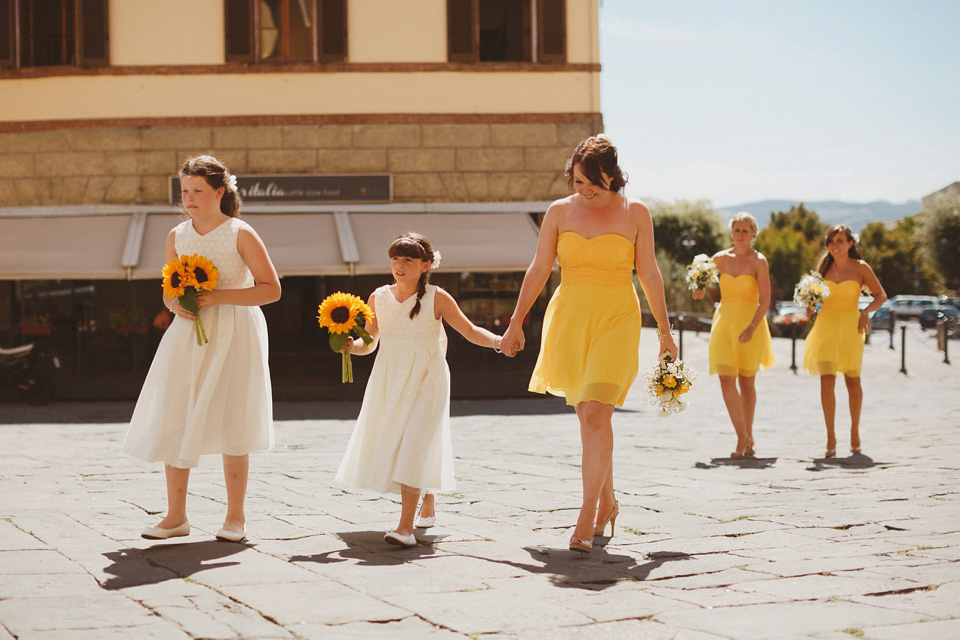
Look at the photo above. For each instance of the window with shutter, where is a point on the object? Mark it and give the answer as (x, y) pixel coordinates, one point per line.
(502, 30)
(279, 31)
(92, 33)
(552, 32)
(238, 23)
(8, 16)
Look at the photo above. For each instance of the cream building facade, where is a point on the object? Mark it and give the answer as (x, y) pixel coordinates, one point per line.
(469, 108)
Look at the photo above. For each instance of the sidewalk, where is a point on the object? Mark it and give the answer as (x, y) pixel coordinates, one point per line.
(787, 545)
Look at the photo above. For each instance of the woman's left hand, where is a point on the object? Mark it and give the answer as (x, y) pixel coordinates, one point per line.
(207, 299)
(667, 345)
(863, 323)
(746, 334)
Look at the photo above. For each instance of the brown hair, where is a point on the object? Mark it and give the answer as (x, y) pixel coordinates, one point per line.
(217, 175)
(596, 155)
(826, 260)
(414, 245)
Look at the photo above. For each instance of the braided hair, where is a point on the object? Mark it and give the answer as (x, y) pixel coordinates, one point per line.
(826, 260)
(414, 245)
(216, 175)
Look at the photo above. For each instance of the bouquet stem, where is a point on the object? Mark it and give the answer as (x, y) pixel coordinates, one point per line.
(347, 368)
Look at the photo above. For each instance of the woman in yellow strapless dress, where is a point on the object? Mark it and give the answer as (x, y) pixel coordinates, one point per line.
(591, 329)
(739, 336)
(835, 343)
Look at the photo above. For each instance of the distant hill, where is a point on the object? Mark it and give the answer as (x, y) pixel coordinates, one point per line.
(853, 214)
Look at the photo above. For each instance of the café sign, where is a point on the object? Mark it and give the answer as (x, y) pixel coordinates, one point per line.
(315, 188)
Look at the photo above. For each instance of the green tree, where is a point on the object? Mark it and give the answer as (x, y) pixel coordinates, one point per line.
(941, 238)
(792, 243)
(683, 229)
(896, 256)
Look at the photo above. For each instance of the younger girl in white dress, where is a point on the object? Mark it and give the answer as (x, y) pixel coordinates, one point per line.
(215, 397)
(401, 442)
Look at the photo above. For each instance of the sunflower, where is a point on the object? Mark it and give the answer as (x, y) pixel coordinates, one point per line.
(339, 312)
(174, 279)
(203, 274)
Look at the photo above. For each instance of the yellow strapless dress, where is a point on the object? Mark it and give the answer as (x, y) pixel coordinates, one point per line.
(591, 330)
(834, 346)
(739, 298)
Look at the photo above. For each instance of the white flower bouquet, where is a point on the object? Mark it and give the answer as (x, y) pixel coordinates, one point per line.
(667, 381)
(811, 291)
(702, 272)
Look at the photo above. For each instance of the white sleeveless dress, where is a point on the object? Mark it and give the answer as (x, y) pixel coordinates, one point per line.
(402, 435)
(211, 398)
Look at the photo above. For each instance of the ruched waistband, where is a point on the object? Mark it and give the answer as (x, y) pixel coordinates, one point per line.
(598, 277)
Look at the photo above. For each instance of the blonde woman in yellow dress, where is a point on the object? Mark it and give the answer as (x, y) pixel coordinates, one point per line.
(834, 345)
(591, 330)
(739, 336)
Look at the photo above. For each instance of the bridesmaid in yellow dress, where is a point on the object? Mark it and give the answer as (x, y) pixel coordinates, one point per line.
(591, 330)
(835, 343)
(739, 336)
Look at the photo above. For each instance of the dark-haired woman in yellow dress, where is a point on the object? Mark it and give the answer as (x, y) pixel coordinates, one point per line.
(591, 330)
(835, 343)
(739, 336)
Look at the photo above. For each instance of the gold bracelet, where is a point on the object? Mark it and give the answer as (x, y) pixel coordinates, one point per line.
(660, 334)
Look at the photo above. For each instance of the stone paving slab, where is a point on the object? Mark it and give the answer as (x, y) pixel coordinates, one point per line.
(787, 545)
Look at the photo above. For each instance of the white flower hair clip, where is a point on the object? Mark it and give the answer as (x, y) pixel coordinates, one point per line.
(856, 238)
(232, 182)
(436, 259)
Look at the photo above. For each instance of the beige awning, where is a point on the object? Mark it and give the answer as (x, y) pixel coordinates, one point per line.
(91, 242)
(466, 241)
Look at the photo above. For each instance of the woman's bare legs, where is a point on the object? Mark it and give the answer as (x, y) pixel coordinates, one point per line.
(748, 402)
(855, 391)
(829, 401)
(596, 466)
(731, 397)
(428, 506)
(409, 498)
(177, 480)
(235, 472)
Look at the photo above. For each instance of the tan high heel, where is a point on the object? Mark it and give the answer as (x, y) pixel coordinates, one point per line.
(611, 518)
(578, 544)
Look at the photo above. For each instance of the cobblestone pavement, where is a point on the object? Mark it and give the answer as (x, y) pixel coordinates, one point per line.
(786, 545)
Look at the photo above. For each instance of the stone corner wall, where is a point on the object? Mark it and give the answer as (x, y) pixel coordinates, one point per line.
(429, 162)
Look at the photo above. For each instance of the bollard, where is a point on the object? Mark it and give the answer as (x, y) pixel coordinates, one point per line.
(680, 330)
(893, 319)
(945, 327)
(793, 347)
(903, 349)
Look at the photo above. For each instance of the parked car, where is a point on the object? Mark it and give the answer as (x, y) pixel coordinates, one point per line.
(907, 307)
(881, 319)
(931, 316)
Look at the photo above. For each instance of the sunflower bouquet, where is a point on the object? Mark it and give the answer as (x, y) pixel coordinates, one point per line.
(341, 313)
(183, 277)
(811, 290)
(702, 272)
(667, 381)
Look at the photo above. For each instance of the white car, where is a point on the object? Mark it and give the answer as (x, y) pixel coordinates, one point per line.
(911, 306)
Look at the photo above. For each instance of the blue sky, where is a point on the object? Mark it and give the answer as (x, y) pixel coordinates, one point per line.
(743, 100)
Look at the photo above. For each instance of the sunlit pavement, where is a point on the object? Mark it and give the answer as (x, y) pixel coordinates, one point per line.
(786, 544)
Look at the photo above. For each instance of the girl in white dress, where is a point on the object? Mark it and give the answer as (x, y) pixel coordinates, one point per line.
(401, 442)
(215, 397)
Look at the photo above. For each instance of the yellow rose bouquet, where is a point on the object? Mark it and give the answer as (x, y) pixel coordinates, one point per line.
(811, 290)
(667, 381)
(342, 313)
(183, 277)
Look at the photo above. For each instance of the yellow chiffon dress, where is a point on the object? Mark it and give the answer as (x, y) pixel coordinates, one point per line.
(739, 298)
(834, 346)
(591, 330)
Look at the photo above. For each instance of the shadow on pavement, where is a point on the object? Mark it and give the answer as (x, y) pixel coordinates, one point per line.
(136, 567)
(854, 461)
(368, 548)
(743, 463)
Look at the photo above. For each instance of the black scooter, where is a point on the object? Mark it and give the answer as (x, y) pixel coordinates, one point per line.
(28, 372)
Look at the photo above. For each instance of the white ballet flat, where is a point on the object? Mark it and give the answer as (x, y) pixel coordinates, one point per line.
(231, 536)
(392, 537)
(426, 523)
(156, 533)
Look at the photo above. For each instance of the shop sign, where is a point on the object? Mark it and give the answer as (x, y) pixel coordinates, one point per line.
(318, 188)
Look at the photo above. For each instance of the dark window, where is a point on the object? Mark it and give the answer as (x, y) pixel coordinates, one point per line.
(285, 30)
(44, 33)
(502, 30)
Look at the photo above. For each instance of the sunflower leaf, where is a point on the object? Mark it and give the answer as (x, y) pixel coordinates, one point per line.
(189, 300)
(364, 334)
(337, 340)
